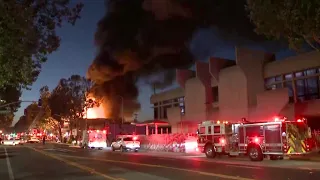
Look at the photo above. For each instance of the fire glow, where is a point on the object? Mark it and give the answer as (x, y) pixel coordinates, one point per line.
(95, 112)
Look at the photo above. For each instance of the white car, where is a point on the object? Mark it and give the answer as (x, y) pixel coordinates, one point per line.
(11, 142)
(33, 140)
(126, 143)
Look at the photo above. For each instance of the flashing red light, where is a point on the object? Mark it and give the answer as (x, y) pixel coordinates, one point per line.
(222, 141)
(276, 119)
(104, 131)
(256, 140)
(299, 120)
(135, 138)
(98, 131)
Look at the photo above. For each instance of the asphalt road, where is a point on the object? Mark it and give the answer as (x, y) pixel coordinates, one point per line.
(61, 162)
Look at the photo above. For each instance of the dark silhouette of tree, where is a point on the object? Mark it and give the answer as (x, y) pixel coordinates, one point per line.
(28, 36)
(66, 101)
(9, 94)
(296, 21)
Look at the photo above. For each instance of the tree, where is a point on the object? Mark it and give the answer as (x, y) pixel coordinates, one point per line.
(296, 21)
(9, 94)
(78, 88)
(28, 36)
(67, 100)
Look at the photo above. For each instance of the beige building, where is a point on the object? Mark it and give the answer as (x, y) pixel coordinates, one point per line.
(255, 87)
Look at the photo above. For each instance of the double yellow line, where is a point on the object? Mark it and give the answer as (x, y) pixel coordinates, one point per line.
(85, 168)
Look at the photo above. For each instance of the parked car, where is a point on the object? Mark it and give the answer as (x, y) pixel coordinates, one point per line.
(126, 143)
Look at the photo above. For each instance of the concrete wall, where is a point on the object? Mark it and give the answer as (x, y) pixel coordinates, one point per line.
(251, 63)
(182, 75)
(195, 99)
(172, 94)
(233, 94)
(269, 105)
(174, 118)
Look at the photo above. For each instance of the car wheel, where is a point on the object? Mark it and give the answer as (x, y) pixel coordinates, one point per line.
(112, 148)
(121, 149)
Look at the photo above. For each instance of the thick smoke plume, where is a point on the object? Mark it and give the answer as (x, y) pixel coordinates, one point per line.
(137, 38)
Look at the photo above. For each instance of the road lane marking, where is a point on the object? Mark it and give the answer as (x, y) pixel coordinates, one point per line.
(160, 166)
(248, 167)
(84, 168)
(11, 177)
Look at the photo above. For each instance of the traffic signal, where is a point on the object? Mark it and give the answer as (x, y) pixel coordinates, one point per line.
(40, 102)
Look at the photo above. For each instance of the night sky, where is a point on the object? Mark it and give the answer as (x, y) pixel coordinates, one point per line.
(77, 51)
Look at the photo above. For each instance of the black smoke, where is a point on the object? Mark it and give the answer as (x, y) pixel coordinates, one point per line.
(137, 38)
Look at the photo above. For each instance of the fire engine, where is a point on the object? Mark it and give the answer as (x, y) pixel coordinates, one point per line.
(256, 139)
(96, 139)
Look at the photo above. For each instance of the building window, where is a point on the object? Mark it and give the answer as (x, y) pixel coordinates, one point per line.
(165, 111)
(215, 93)
(299, 74)
(273, 83)
(155, 113)
(312, 88)
(269, 81)
(300, 89)
(310, 72)
(288, 76)
(290, 88)
(274, 86)
(182, 110)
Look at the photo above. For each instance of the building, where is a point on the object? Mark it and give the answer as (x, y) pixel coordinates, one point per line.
(255, 86)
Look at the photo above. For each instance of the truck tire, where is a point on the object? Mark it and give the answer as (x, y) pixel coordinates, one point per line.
(210, 151)
(255, 153)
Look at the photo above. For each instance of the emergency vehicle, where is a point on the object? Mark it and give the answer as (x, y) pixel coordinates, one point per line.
(257, 140)
(96, 139)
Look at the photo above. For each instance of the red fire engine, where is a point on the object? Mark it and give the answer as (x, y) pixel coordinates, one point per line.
(257, 140)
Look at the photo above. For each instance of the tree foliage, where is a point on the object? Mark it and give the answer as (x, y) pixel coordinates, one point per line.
(66, 101)
(9, 94)
(28, 36)
(296, 21)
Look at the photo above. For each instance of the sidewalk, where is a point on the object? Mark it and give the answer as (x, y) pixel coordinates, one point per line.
(314, 157)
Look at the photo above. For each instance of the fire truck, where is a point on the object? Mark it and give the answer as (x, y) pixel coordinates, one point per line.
(96, 139)
(275, 139)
